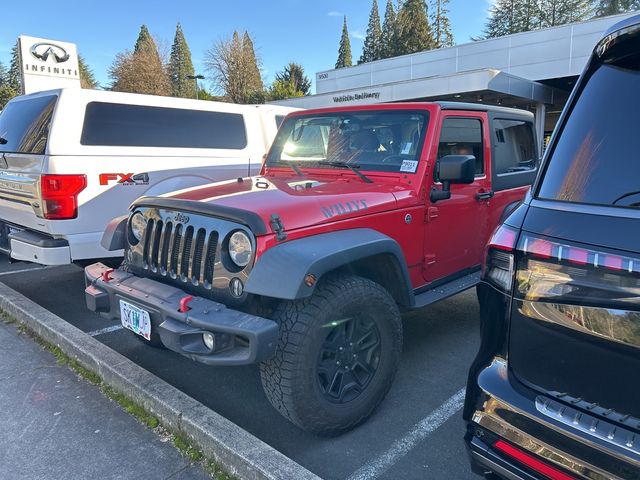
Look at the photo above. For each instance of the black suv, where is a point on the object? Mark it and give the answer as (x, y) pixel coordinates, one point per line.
(554, 391)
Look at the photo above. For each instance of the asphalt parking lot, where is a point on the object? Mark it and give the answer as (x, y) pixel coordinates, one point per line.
(416, 433)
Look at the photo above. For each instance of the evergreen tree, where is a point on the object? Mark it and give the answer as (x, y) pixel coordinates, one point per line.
(4, 73)
(372, 49)
(181, 66)
(501, 19)
(344, 52)
(294, 74)
(527, 15)
(513, 16)
(389, 31)
(604, 8)
(414, 32)
(251, 66)
(142, 70)
(145, 42)
(6, 94)
(87, 79)
(561, 12)
(14, 76)
(440, 24)
(281, 90)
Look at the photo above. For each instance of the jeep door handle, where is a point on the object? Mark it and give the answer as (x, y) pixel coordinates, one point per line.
(484, 195)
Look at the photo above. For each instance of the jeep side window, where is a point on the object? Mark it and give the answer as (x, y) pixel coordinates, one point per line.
(515, 149)
(462, 136)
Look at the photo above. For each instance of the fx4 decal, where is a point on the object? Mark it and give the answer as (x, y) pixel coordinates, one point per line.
(124, 178)
(343, 208)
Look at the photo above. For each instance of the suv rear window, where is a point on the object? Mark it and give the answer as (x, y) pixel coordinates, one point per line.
(24, 125)
(113, 124)
(594, 158)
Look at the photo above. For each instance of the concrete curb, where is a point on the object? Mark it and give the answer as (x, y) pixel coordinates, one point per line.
(235, 449)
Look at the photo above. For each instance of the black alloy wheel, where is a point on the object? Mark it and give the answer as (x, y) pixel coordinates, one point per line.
(349, 358)
(337, 355)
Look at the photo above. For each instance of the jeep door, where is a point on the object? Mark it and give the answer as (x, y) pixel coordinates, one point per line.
(456, 228)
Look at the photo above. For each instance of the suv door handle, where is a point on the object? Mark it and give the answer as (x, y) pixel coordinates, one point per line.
(484, 195)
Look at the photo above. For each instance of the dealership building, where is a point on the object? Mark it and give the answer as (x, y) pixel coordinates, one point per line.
(531, 70)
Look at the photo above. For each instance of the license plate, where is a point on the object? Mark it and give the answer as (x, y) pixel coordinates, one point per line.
(135, 319)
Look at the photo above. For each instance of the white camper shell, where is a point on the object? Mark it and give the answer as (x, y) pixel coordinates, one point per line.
(73, 159)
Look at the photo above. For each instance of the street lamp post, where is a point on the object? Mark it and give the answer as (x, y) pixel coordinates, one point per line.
(195, 78)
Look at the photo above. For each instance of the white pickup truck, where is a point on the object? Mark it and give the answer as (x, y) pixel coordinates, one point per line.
(73, 159)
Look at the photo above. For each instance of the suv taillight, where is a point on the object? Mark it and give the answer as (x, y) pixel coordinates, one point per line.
(499, 258)
(546, 470)
(548, 269)
(59, 195)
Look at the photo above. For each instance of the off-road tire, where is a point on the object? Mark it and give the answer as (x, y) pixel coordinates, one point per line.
(290, 379)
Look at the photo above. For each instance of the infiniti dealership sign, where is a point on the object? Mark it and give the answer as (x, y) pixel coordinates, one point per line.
(48, 64)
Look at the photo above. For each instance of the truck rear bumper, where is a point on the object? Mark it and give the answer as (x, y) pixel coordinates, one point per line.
(23, 244)
(240, 338)
(36, 247)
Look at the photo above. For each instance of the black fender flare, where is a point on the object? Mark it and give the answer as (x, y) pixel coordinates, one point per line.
(280, 272)
(115, 235)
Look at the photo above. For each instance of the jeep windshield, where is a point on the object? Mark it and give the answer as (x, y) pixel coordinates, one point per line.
(384, 141)
(595, 157)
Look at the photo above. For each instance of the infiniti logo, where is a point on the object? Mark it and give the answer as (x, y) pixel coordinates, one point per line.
(43, 51)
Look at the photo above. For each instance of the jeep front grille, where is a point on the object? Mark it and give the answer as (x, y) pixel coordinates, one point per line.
(181, 252)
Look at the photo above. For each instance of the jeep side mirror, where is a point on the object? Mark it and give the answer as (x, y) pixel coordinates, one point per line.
(453, 169)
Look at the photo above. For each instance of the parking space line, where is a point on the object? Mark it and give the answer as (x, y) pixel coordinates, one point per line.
(22, 270)
(112, 328)
(404, 445)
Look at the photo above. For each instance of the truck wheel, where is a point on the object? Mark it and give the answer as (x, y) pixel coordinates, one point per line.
(337, 355)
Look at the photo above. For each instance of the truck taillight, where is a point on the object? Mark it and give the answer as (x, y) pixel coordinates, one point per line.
(59, 195)
(499, 258)
(548, 269)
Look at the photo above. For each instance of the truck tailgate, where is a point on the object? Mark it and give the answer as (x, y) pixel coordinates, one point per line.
(20, 189)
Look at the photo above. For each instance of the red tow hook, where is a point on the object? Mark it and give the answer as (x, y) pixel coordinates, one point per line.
(184, 304)
(105, 275)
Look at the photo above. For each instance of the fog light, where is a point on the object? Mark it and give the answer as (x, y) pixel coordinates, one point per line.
(209, 340)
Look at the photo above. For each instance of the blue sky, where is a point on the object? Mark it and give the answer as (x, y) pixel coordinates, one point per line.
(283, 30)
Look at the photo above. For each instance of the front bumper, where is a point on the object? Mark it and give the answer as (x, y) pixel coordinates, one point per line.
(241, 338)
(544, 428)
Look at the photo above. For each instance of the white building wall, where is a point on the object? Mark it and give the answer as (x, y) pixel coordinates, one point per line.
(539, 55)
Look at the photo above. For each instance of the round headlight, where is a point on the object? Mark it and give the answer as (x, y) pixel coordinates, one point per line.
(240, 249)
(137, 223)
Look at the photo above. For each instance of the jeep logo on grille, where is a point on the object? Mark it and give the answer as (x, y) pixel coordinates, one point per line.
(181, 218)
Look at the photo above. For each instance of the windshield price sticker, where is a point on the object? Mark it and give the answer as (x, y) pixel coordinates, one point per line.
(409, 166)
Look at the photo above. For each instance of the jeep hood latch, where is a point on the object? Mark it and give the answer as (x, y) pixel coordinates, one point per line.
(277, 227)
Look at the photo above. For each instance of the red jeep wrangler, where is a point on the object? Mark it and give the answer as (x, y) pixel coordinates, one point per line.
(358, 214)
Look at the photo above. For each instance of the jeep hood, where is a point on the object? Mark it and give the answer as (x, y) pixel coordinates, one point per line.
(298, 201)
